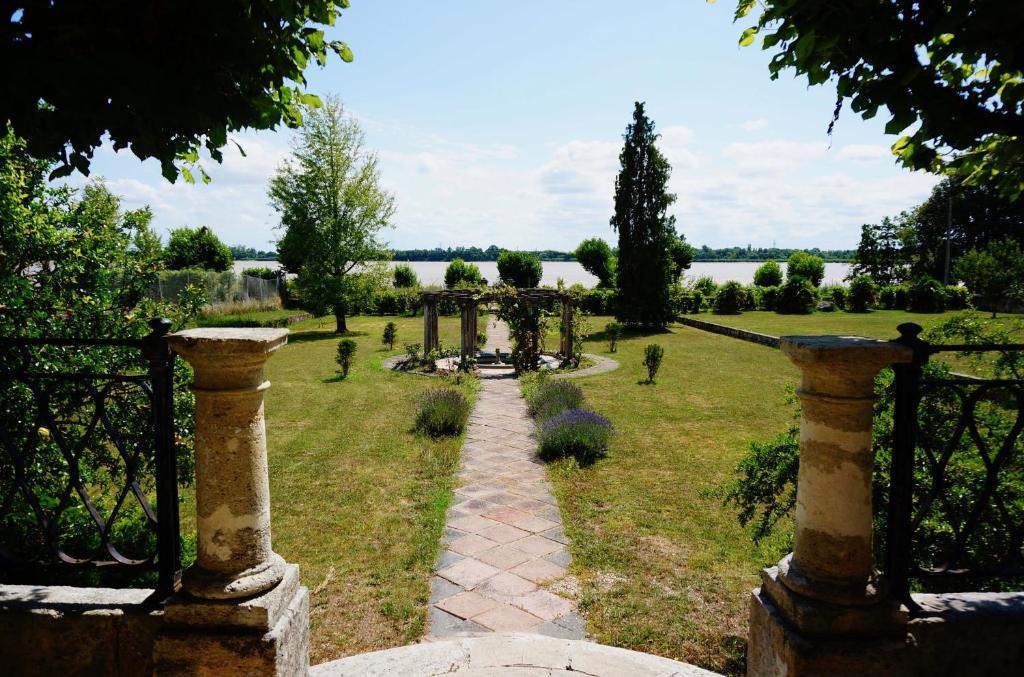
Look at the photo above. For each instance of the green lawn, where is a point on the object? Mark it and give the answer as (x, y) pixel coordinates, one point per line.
(358, 500)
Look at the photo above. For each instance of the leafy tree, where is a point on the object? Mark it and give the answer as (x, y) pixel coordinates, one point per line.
(806, 266)
(405, 276)
(598, 259)
(681, 254)
(951, 72)
(196, 248)
(459, 272)
(994, 272)
(645, 268)
(519, 269)
(885, 250)
(164, 80)
(768, 274)
(332, 211)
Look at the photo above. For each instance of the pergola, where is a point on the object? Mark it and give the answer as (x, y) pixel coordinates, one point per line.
(468, 301)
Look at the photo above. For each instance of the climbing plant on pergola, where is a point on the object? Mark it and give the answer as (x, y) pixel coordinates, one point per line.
(517, 307)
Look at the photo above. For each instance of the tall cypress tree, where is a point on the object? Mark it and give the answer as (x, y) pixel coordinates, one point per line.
(645, 229)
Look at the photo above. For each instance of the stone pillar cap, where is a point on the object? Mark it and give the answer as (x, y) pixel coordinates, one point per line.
(860, 349)
(215, 342)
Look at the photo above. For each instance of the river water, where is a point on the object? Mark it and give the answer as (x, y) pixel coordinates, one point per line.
(432, 272)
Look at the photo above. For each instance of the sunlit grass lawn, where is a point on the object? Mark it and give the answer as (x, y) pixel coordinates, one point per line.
(358, 500)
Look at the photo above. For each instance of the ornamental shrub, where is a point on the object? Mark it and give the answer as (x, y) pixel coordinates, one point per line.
(957, 297)
(653, 355)
(578, 433)
(730, 298)
(196, 248)
(696, 301)
(443, 411)
(926, 296)
(894, 297)
(768, 274)
(807, 266)
(862, 294)
(390, 334)
(346, 351)
(706, 285)
(405, 277)
(597, 301)
(796, 297)
(519, 269)
(554, 397)
(261, 272)
(613, 331)
(768, 298)
(460, 271)
(412, 355)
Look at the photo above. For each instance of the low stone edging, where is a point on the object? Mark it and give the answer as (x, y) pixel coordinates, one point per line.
(731, 332)
(600, 366)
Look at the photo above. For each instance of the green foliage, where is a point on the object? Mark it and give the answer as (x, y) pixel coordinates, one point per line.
(926, 296)
(346, 352)
(164, 81)
(894, 297)
(575, 433)
(796, 297)
(957, 297)
(706, 285)
(768, 274)
(730, 299)
(390, 334)
(196, 248)
(886, 250)
(994, 273)
(597, 301)
(70, 268)
(459, 272)
(332, 210)
(443, 411)
(681, 255)
(835, 294)
(612, 332)
(948, 74)
(768, 298)
(806, 266)
(653, 355)
(262, 272)
(645, 268)
(862, 294)
(553, 397)
(579, 330)
(597, 258)
(405, 277)
(412, 355)
(519, 269)
(527, 327)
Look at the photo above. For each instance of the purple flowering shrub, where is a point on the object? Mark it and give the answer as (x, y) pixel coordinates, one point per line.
(554, 397)
(579, 433)
(443, 411)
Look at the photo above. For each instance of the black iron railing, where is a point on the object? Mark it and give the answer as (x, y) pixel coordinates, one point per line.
(956, 501)
(87, 446)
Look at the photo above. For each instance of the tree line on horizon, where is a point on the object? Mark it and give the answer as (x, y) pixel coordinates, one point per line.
(704, 253)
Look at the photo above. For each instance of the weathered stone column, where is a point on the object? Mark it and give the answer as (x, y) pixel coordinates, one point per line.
(827, 590)
(243, 610)
(430, 335)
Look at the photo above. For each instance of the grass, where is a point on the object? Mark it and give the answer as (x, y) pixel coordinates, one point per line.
(358, 499)
(664, 567)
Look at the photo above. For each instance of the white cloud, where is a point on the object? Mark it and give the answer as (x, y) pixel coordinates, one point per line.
(754, 125)
(772, 156)
(865, 153)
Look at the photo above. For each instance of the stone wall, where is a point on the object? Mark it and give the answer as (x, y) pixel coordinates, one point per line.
(55, 630)
(732, 332)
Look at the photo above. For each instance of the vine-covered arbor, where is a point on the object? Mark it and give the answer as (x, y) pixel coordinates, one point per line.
(469, 300)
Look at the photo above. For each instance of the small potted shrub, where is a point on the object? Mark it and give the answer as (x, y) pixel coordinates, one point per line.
(390, 334)
(613, 330)
(346, 351)
(443, 411)
(653, 355)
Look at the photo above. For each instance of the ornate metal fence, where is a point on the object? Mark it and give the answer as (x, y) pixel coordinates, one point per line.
(956, 504)
(87, 447)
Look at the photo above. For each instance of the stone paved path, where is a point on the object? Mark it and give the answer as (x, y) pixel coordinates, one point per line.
(504, 542)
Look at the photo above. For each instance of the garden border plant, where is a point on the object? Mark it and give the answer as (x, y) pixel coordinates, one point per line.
(567, 428)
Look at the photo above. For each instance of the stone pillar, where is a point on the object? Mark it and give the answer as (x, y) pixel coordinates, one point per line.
(243, 610)
(467, 335)
(430, 335)
(822, 610)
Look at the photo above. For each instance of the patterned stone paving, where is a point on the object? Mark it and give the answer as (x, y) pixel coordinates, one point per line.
(504, 542)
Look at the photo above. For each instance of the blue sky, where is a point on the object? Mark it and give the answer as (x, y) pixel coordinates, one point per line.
(501, 123)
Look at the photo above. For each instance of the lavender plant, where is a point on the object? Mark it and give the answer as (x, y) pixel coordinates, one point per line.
(579, 433)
